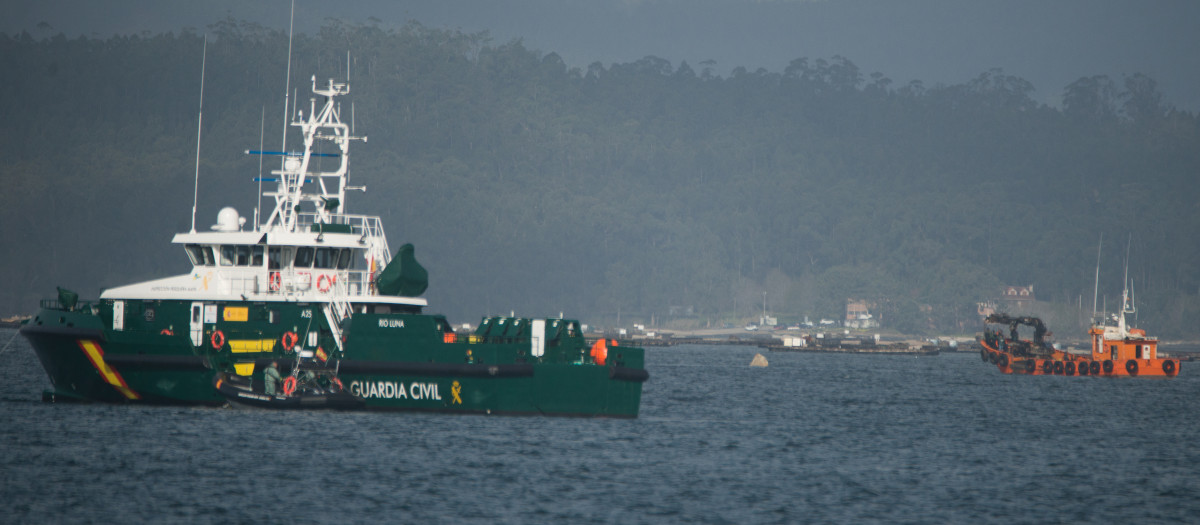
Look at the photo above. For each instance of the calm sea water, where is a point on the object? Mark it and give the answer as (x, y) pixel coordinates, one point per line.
(811, 438)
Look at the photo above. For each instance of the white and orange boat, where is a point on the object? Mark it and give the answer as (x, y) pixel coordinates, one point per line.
(1117, 350)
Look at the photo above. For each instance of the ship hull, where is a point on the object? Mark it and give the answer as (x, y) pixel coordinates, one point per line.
(1064, 364)
(396, 362)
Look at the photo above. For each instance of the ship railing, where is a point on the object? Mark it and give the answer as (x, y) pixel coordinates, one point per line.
(369, 226)
(54, 304)
(349, 283)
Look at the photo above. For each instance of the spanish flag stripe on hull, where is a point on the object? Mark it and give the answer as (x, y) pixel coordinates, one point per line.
(96, 356)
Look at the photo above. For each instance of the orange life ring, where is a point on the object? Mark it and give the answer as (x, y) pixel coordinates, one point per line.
(289, 340)
(325, 282)
(289, 386)
(276, 281)
(166, 331)
(217, 340)
(337, 383)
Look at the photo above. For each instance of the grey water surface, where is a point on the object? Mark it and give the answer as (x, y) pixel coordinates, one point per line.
(810, 438)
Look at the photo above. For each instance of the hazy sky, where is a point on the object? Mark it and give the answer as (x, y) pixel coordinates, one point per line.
(1048, 42)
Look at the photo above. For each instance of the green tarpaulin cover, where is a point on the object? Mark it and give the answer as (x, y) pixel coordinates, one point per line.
(404, 276)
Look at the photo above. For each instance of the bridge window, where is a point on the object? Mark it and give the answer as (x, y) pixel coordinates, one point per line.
(344, 260)
(304, 257)
(326, 258)
(275, 257)
(256, 256)
(243, 256)
(200, 255)
(228, 255)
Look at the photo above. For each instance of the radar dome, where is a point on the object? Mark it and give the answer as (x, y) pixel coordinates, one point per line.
(228, 220)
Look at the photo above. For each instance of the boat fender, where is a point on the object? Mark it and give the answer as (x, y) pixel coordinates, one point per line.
(1030, 365)
(1083, 369)
(1131, 366)
(217, 340)
(289, 340)
(633, 375)
(1169, 366)
(1003, 360)
(1095, 368)
(1069, 368)
(1108, 366)
(1058, 367)
(983, 354)
(289, 385)
(1047, 367)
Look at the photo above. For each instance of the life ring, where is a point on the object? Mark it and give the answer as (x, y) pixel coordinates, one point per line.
(276, 281)
(1169, 367)
(1131, 366)
(1058, 367)
(1069, 368)
(289, 386)
(325, 282)
(289, 340)
(1030, 365)
(1108, 366)
(336, 384)
(217, 340)
(166, 331)
(1095, 368)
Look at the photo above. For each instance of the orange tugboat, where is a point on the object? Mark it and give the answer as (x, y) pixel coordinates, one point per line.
(1117, 350)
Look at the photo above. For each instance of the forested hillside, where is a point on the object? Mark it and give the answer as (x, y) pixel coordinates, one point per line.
(652, 191)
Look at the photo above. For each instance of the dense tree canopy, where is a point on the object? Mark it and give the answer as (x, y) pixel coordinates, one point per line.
(642, 190)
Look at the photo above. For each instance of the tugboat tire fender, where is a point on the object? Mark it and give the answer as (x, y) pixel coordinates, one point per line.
(1058, 367)
(1131, 366)
(1095, 368)
(1069, 368)
(1169, 366)
(633, 375)
(1083, 368)
(1108, 366)
(1030, 365)
(217, 339)
(1047, 367)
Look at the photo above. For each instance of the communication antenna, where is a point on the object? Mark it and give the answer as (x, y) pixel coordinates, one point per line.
(262, 127)
(1096, 290)
(199, 128)
(287, 86)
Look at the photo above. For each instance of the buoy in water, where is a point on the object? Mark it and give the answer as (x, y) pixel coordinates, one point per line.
(759, 361)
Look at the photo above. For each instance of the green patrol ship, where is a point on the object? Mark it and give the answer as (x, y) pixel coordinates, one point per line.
(318, 291)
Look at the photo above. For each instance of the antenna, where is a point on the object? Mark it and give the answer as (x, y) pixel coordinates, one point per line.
(199, 128)
(1125, 295)
(287, 86)
(262, 127)
(1096, 290)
